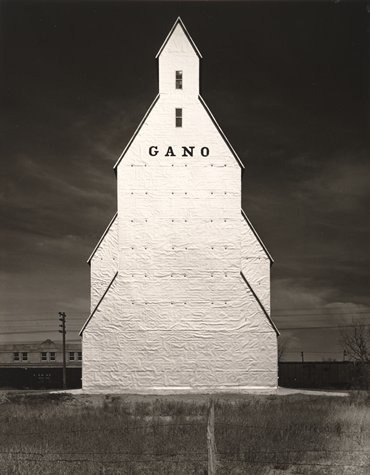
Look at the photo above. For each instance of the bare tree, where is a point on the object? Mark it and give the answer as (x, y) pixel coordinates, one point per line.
(356, 342)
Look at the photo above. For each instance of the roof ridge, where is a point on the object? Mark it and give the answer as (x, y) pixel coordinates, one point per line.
(181, 23)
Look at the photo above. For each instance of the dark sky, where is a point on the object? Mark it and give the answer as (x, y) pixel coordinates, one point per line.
(288, 83)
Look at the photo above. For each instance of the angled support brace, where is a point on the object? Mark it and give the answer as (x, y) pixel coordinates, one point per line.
(260, 304)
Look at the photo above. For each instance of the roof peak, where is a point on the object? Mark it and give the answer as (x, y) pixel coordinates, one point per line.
(181, 23)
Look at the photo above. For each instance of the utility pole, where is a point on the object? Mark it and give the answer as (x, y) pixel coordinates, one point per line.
(62, 318)
(302, 356)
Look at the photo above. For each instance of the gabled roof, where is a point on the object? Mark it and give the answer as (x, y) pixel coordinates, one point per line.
(260, 304)
(97, 305)
(47, 342)
(179, 22)
(221, 131)
(135, 133)
(257, 236)
(102, 237)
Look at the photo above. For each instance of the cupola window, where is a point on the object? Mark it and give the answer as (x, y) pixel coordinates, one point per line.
(178, 117)
(178, 79)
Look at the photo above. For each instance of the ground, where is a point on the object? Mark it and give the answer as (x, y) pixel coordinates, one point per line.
(61, 433)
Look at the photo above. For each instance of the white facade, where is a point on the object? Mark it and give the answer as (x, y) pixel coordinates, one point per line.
(180, 281)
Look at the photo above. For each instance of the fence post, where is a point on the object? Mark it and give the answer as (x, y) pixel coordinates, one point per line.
(211, 443)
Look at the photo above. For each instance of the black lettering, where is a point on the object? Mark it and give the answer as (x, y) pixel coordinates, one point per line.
(153, 150)
(187, 151)
(204, 151)
(170, 153)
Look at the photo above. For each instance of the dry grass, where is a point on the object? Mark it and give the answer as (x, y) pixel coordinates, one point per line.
(65, 434)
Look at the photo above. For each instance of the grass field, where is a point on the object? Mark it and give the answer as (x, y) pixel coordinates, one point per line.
(81, 434)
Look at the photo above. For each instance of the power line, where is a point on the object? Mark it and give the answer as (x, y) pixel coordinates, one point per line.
(33, 323)
(31, 327)
(336, 327)
(31, 331)
(293, 352)
(275, 312)
(41, 320)
(305, 308)
(23, 322)
(319, 314)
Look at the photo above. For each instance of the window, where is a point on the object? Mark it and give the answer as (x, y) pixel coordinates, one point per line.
(48, 356)
(24, 356)
(178, 117)
(16, 356)
(79, 356)
(178, 79)
(71, 356)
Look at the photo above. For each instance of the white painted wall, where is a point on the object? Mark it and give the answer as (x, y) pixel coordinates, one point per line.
(179, 317)
(255, 264)
(178, 54)
(104, 264)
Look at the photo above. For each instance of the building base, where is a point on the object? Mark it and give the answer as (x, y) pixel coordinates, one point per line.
(182, 390)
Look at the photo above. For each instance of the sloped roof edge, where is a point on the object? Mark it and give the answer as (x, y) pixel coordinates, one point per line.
(181, 23)
(102, 237)
(260, 303)
(136, 132)
(257, 236)
(208, 112)
(202, 101)
(97, 305)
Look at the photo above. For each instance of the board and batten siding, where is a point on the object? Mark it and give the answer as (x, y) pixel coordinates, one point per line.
(178, 315)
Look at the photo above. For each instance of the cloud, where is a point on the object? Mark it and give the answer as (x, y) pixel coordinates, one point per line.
(339, 186)
(300, 304)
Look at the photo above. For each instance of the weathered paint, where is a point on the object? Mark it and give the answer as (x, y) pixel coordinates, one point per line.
(179, 316)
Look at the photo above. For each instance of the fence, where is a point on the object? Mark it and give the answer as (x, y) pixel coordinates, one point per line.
(39, 378)
(325, 375)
